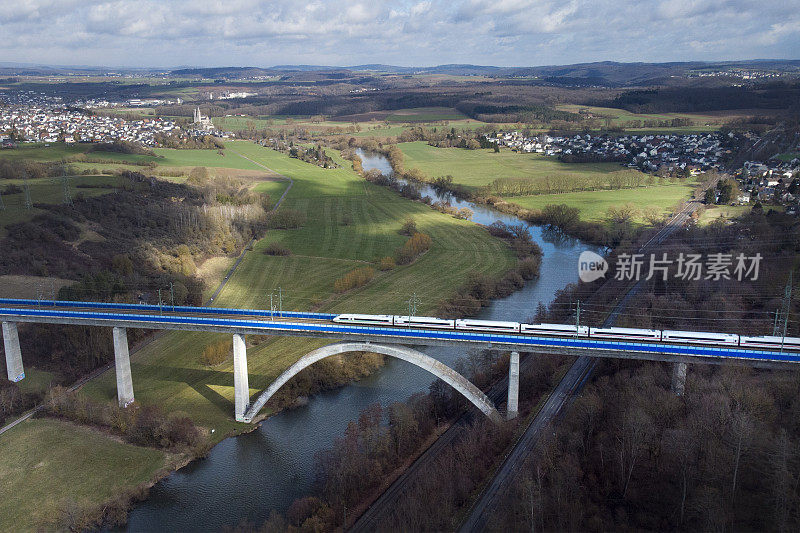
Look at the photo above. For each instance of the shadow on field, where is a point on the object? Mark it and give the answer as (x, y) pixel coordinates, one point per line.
(201, 381)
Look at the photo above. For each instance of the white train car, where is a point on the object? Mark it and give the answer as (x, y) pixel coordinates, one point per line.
(366, 320)
(626, 334)
(487, 325)
(424, 322)
(770, 342)
(700, 337)
(555, 330)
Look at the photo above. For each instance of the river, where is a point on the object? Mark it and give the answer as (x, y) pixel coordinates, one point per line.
(244, 478)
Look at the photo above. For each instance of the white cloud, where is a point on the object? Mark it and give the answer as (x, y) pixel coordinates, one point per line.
(408, 32)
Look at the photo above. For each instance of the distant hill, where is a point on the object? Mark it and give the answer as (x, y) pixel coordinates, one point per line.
(606, 73)
(603, 73)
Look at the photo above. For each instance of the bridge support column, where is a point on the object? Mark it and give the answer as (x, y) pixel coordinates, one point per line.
(241, 389)
(13, 352)
(679, 378)
(512, 405)
(122, 367)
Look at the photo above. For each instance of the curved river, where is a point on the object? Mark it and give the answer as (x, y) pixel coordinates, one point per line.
(244, 478)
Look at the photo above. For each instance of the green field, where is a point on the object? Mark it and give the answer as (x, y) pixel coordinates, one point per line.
(43, 152)
(46, 463)
(164, 156)
(425, 114)
(168, 157)
(375, 124)
(143, 112)
(619, 117)
(593, 205)
(477, 168)
(725, 213)
(168, 372)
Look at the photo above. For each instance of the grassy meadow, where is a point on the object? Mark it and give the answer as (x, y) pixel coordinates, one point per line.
(44, 464)
(478, 168)
(594, 205)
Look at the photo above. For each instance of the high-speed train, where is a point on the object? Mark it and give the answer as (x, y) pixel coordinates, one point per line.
(565, 330)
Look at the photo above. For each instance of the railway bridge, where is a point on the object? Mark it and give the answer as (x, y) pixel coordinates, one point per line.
(392, 341)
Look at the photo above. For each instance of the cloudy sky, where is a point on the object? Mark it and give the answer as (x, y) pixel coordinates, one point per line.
(169, 33)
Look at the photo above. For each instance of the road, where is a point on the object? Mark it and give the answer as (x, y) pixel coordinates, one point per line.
(561, 396)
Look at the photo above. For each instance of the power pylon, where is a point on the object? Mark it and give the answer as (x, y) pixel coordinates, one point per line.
(782, 315)
(65, 186)
(27, 189)
(413, 302)
(787, 304)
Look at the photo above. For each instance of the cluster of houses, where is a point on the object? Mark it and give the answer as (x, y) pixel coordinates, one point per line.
(48, 123)
(698, 151)
(745, 74)
(774, 181)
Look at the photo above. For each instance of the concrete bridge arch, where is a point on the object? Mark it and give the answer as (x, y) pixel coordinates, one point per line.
(438, 369)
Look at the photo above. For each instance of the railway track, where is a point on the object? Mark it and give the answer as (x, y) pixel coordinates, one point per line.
(561, 398)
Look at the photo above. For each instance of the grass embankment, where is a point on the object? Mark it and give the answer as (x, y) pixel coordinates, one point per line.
(48, 465)
(349, 223)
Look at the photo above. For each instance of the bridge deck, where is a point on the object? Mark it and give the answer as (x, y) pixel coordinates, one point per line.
(314, 325)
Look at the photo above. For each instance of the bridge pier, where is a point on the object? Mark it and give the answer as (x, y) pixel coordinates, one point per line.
(14, 367)
(512, 405)
(679, 378)
(241, 389)
(122, 367)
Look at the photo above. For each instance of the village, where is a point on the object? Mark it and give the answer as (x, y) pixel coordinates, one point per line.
(27, 116)
(54, 123)
(700, 151)
(774, 181)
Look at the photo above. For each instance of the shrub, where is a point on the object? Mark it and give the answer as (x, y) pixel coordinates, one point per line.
(409, 227)
(465, 213)
(528, 268)
(215, 354)
(147, 426)
(418, 244)
(181, 430)
(275, 248)
(347, 220)
(387, 263)
(353, 279)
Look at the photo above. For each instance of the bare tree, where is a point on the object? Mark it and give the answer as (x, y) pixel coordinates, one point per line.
(631, 441)
(741, 433)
